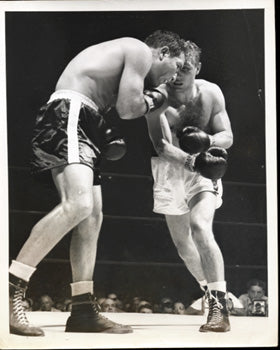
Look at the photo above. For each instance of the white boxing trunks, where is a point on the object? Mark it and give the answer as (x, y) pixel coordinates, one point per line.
(174, 187)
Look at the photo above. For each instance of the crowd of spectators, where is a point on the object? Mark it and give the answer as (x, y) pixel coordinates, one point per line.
(252, 303)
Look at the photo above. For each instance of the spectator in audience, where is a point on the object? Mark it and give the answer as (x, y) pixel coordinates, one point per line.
(135, 302)
(115, 298)
(166, 305)
(144, 306)
(67, 304)
(255, 302)
(179, 308)
(109, 305)
(59, 304)
(27, 304)
(46, 303)
(145, 309)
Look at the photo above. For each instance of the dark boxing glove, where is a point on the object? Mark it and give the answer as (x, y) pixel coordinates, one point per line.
(154, 99)
(212, 164)
(193, 140)
(114, 147)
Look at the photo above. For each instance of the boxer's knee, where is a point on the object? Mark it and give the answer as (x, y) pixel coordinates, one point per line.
(78, 207)
(96, 219)
(202, 233)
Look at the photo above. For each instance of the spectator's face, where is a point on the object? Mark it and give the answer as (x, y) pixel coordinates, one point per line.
(25, 305)
(135, 303)
(46, 304)
(179, 308)
(145, 310)
(255, 292)
(167, 306)
(109, 305)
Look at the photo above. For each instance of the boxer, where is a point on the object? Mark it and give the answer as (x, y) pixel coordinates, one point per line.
(69, 141)
(190, 133)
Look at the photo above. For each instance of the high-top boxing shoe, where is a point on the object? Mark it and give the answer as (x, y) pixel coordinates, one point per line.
(85, 317)
(218, 316)
(18, 321)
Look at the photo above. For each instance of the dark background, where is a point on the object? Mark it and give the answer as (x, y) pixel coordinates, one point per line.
(135, 252)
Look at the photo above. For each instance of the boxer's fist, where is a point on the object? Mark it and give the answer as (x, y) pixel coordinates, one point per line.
(114, 145)
(193, 140)
(154, 99)
(212, 164)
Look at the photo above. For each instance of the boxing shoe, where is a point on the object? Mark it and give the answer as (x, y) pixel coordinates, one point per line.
(18, 321)
(218, 316)
(85, 317)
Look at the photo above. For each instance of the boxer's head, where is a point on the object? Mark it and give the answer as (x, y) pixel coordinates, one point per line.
(167, 54)
(191, 68)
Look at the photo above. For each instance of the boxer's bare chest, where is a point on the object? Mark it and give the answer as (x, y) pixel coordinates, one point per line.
(197, 112)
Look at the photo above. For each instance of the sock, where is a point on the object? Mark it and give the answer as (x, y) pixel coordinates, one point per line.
(219, 286)
(81, 287)
(203, 285)
(21, 270)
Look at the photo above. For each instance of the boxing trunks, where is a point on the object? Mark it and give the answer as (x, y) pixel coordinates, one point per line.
(67, 132)
(175, 186)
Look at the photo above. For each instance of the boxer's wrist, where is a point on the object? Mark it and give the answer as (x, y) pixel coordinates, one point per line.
(189, 162)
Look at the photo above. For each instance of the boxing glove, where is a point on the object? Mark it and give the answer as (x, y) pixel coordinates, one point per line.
(114, 147)
(154, 99)
(212, 164)
(193, 140)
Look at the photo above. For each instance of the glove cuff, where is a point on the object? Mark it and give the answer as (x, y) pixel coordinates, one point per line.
(149, 103)
(212, 141)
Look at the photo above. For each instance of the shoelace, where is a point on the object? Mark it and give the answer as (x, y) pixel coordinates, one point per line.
(97, 308)
(18, 308)
(215, 307)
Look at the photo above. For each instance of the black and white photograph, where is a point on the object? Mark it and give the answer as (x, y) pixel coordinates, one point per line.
(138, 174)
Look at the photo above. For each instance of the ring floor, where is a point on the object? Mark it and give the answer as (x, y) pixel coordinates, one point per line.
(149, 331)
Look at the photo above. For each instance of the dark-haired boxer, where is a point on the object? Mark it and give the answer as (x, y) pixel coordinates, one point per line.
(190, 133)
(69, 139)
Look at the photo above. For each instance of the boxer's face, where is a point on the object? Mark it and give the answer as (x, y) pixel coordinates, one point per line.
(166, 68)
(186, 75)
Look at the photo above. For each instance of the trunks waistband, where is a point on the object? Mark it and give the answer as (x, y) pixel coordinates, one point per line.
(70, 94)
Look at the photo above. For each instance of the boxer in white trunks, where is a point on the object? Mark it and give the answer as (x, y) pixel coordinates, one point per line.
(193, 124)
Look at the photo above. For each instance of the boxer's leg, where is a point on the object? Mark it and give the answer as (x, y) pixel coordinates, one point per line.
(202, 212)
(85, 316)
(179, 228)
(201, 220)
(74, 184)
(84, 239)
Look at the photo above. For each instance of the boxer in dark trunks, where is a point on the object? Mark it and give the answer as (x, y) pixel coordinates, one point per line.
(69, 139)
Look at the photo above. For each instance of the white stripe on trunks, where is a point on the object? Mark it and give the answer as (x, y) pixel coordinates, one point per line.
(72, 131)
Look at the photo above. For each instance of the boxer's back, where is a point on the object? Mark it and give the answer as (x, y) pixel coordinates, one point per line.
(96, 71)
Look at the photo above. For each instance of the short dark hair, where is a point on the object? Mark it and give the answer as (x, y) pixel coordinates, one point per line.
(161, 38)
(256, 282)
(192, 52)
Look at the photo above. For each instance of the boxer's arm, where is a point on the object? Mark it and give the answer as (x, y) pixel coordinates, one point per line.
(220, 124)
(154, 120)
(153, 124)
(137, 63)
(160, 134)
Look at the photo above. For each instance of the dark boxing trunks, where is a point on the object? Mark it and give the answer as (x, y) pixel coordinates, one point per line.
(67, 131)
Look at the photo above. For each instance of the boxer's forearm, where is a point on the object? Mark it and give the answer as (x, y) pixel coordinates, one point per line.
(222, 139)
